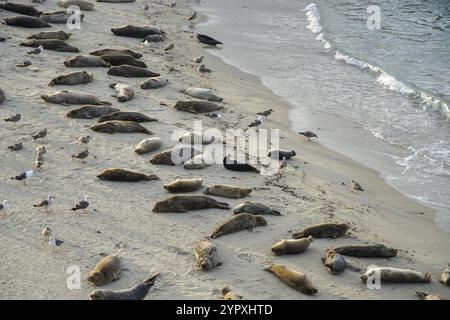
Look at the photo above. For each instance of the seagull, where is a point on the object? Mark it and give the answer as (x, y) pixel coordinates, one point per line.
(39, 51)
(198, 59)
(16, 146)
(55, 243)
(40, 134)
(82, 205)
(39, 161)
(4, 206)
(24, 175)
(81, 155)
(258, 122)
(145, 44)
(203, 69)
(84, 139)
(213, 115)
(170, 47)
(47, 233)
(309, 135)
(14, 118)
(45, 203)
(356, 186)
(265, 113)
(193, 16)
(208, 40)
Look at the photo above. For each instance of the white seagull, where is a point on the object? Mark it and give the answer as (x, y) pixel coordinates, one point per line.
(4, 206)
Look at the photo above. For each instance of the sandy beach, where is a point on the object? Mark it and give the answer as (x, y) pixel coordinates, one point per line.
(309, 191)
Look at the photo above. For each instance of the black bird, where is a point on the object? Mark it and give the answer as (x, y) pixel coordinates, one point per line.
(23, 176)
(234, 165)
(81, 155)
(14, 118)
(16, 146)
(40, 134)
(82, 205)
(265, 113)
(309, 135)
(208, 40)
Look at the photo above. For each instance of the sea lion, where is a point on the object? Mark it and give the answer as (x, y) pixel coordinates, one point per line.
(90, 112)
(135, 31)
(127, 52)
(429, 296)
(204, 94)
(196, 163)
(183, 204)
(126, 116)
(326, 230)
(227, 191)
(26, 22)
(174, 156)
(334, 261)
(138, 292)
(124, 91)
(228, 294)
(394, 275)
(281, 154)
(107, 270)
(85, 61)
(194, 138)
(50, 44)
(154, 83)
(291, 246)
(184, 185)
(58, 35)
(58, 17)
(82, 4)
(114, 126)
(21, 8)
(294, 279)
(120, 59)
(123, 175)
(445, 276)
(131, 71)
(73, 97)
(194, 106)
(243, 221)
(154, 38)
(206, 255)
(367, 251)
(148, 145)
(73, 78)
(235, 165)
(255, 208)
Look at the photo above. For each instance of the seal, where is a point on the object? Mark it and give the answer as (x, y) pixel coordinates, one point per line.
(127, 116)
(184, 185)
(26, 22)
(240, 222)
(148, 145)
(429, 296)
(82, 4)
(229, 294)
(121, 59)
(203, 38)
(196, 163)
(367, 251)
(445, 276)
(334, 261)
(154, 83)
(73, 97)
(85, 61)
(291, 246)
(73, 78)
(131, 72)
(227, 191)
(235, 165)
(90, 112)
(135, 31)
(194, 106)
(281, 154)
(58, 35)
(107, 270)
(123, 175)
(184, 203)
(21, 8)
(326, 230)
(127, 52)
(174, 156)
(58, 17)
(206, 255)
(394, 275)
(120, 126)
(50, 44)
(138, 292)
(255, 208)
(194, 138)
(294, 279)
(204, 94)
(123, 90)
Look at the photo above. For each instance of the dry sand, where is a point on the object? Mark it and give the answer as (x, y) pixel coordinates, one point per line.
(310, 191)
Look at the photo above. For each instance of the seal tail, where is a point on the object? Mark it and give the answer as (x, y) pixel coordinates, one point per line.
(151, 280)
(223, 205)
(52, 83)
(106, 103)
(145, 130)
(276, 213)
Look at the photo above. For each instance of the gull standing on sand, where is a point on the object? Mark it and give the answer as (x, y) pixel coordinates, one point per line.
(4, 206)
(193, 16)
(55, 243)
(45, 203)
(15, 118)
(145, 44)
(198, 59)
(309, 135)
(16, 146)
(203, 69)
(265, 113)
(23, 176)
(39, 161)
(47, 233)
(41, 134)
(84, 139)
(39, 51)
(82, 205)
(81, 155)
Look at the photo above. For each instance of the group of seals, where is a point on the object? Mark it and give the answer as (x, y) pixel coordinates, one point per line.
(123, 175)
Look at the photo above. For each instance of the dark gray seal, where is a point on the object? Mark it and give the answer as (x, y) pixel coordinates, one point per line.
(90, 112)
(138, 292)
(126, 116)
(50, 44)
(131, 72)
(121, 59)
(135, 31)
(26, 22)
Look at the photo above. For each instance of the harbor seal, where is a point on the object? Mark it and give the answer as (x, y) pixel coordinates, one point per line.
(201, 93)
(334, 261)
(291, 246)
(326, 230)
(240, 222)
(121, 59)
(203, 38)
(138, 292)
(183, 204)
(229, 294)
(85, 61)
(174, 156)
(281, 154)
(235, 165)
(26, 22)
(445, 276)
(82, 4)
(184, 185)
(21, 8)
(107, 270)
(429, 296)
(90, 112)
(50, 44)
(196, 163)
(154, 83)
(394, 275)
(120, 126)
(148, 145)
(107, 51)
(294, 279)
(227, 191)
(58, 35)
(367, 251)
(135, 31)
(255, 208)
(123, 90)
(194, 106)
(73, 97)
(123, 175)
(73, 78)
(194, 138)
(206, 255)
(58, 17)
(131, 72)
(127, 116)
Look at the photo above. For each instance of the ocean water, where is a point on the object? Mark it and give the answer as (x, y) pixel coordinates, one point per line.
(381, 97)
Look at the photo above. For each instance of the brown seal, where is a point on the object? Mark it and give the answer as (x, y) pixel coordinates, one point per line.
(73, 97)
(185, 203)
(394, 275)
(255, 208)
(148, 145)
(120, 126)
(131, 72)
(229, 294)
(429, 296)
(59, 35)
(73, 78)
(291, 246)
(184, 185)
(85, 61)
(367, 251)
(26, 22)
(123, 175)
(206, 255)
(107, 51)
(90, 112)
(138, 292)
(294, 279)
(21, 8)
(120, 59)
(334, 261)
(50, 44)
(445, 276)
(240, 222)
(195, 106)
(228, 191)
(126, 116)
(326, 230)
(174, 156)
(107, 270)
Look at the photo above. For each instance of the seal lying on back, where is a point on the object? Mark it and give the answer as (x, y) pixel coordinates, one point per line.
(126, 116)
(83, 61)
(90, 112)
(240, 222)
(294, 279)
(107, 270)
(59, 35)
(367, 251)
(184, 185)
(326, 230)
(58, 17)
(227, 191)
(154, 83)
(120, 59)
(291, 246)
(148, 145)
(135, 31)
(131, 71)
(82, 4)
(174, 156)
(73, 97)
(206, 255)
(255, 208)
(120, 126)
(229, 294)
(445, 276)
(201, 93)
(194, 106)
(73, 78)
(429, 296)
(235, 165)
(395, 275)
(138, 292)
(124, 91)
(123, 175)
(50, 44)
(183, 204)
(281, 154)
(127, 52)
(334, 262)
(26, 22)
(21, 8)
